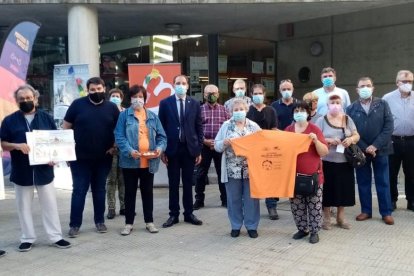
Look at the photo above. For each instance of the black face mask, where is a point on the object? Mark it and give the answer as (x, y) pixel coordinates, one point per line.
(26, 107)
(97, 97)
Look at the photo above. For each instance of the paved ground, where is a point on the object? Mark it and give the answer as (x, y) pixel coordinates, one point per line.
(369, 248)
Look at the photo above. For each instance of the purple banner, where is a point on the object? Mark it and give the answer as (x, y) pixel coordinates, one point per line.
(14, 62)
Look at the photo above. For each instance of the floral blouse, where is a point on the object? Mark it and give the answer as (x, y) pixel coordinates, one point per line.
(237, 165)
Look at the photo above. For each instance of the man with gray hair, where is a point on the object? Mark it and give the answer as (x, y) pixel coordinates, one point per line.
(239, 90)
(213, 115)
(27, 177)
(402, 108)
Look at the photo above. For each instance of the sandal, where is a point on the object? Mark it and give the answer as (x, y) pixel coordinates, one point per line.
(344, 225)
(326, 225)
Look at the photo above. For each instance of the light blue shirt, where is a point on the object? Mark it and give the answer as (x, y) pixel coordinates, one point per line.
(402, 110)
(323, 99)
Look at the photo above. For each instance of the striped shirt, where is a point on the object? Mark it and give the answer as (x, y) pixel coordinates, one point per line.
(213, 116)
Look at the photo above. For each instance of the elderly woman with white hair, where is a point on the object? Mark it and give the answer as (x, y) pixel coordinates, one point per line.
(241, 208)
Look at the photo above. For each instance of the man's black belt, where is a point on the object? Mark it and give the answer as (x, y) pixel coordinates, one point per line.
(395, 137)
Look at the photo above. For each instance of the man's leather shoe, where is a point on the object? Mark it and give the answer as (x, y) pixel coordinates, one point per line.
(252, 233)
(388, 220)
(170, 222)
(193, 220)
(394, 205)
(410, 205)
(363, 216)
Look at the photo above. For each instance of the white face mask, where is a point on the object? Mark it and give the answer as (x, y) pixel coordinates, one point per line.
(406, 87)
(137, 103)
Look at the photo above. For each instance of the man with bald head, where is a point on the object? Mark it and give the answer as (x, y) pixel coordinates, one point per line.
(239, 90)
(213, 115)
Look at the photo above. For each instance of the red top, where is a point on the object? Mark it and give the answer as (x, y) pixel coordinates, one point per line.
(310, 162)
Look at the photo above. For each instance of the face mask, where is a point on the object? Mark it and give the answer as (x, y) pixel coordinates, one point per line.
(406, 87)
(329, 81)
(258, 99)
(26, 107)
(287, 94)
(97, 97)
(211, 98)
(115, 100)
(365, 92)
(240, 93)
(137, 103)
(239, 116)
(334, 109)
(300, 116)
(180, 90)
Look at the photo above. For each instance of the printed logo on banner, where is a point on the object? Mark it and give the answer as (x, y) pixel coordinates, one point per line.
(157, 80)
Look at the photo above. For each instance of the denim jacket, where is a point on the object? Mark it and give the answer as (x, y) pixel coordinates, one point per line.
(126, 138)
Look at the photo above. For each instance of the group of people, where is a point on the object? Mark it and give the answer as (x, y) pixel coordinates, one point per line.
(125, 146)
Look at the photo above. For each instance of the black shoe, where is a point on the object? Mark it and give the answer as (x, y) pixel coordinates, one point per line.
(170, 222)
(2, 253)
(410, 205)
(314, 238)
(62, 244)
(25, 246)
(394, 205)
(235, 233)
(198, 204)
(224, 204)
(252, 234)
(193, 220)
(300, 235)
(122, 212)
(111, 214)
(273, 215)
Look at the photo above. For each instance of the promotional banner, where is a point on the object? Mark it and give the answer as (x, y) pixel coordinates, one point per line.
(69, 83)
(14, 62)
(156, 78)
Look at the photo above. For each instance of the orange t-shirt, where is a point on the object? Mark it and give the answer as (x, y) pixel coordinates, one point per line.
(143, 139)
(271, 158)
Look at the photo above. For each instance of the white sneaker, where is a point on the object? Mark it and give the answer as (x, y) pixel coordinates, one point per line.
(127, 230)
(151, 228)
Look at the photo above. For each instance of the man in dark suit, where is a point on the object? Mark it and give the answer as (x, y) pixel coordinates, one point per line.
(180, 116)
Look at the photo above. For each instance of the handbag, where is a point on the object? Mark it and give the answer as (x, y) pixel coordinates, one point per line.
(307, 185)
(353, 154)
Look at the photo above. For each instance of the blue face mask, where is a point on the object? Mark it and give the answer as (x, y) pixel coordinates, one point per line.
(327, 82)
(300, 116)
(365, 92)
(258, 99)
(239, 93)
(115, 100)
(180, 90)
(287, 94)
(239, 116)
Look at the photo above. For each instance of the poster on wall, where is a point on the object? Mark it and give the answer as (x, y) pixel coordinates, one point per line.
(156, 78)
(69, 83)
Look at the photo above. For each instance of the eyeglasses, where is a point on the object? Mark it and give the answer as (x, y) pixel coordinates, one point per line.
(406, 81)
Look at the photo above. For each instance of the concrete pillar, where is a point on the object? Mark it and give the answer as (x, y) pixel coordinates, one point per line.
(83, 37)
(213, 59)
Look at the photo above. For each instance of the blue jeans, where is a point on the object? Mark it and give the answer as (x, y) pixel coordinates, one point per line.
(271, 202)
(85, 173)
(240, 206)
(382, 184)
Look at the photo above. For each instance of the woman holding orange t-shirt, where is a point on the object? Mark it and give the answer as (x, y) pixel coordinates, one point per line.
(241, 207)
(140, 139)
(307, 211)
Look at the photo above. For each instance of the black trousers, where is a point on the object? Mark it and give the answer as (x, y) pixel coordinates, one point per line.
(403, 153)
(209, 155)
(146, 183)
(181, 165)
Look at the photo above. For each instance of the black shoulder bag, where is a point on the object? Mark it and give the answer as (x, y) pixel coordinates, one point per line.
(307, 185)
(353, 154)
